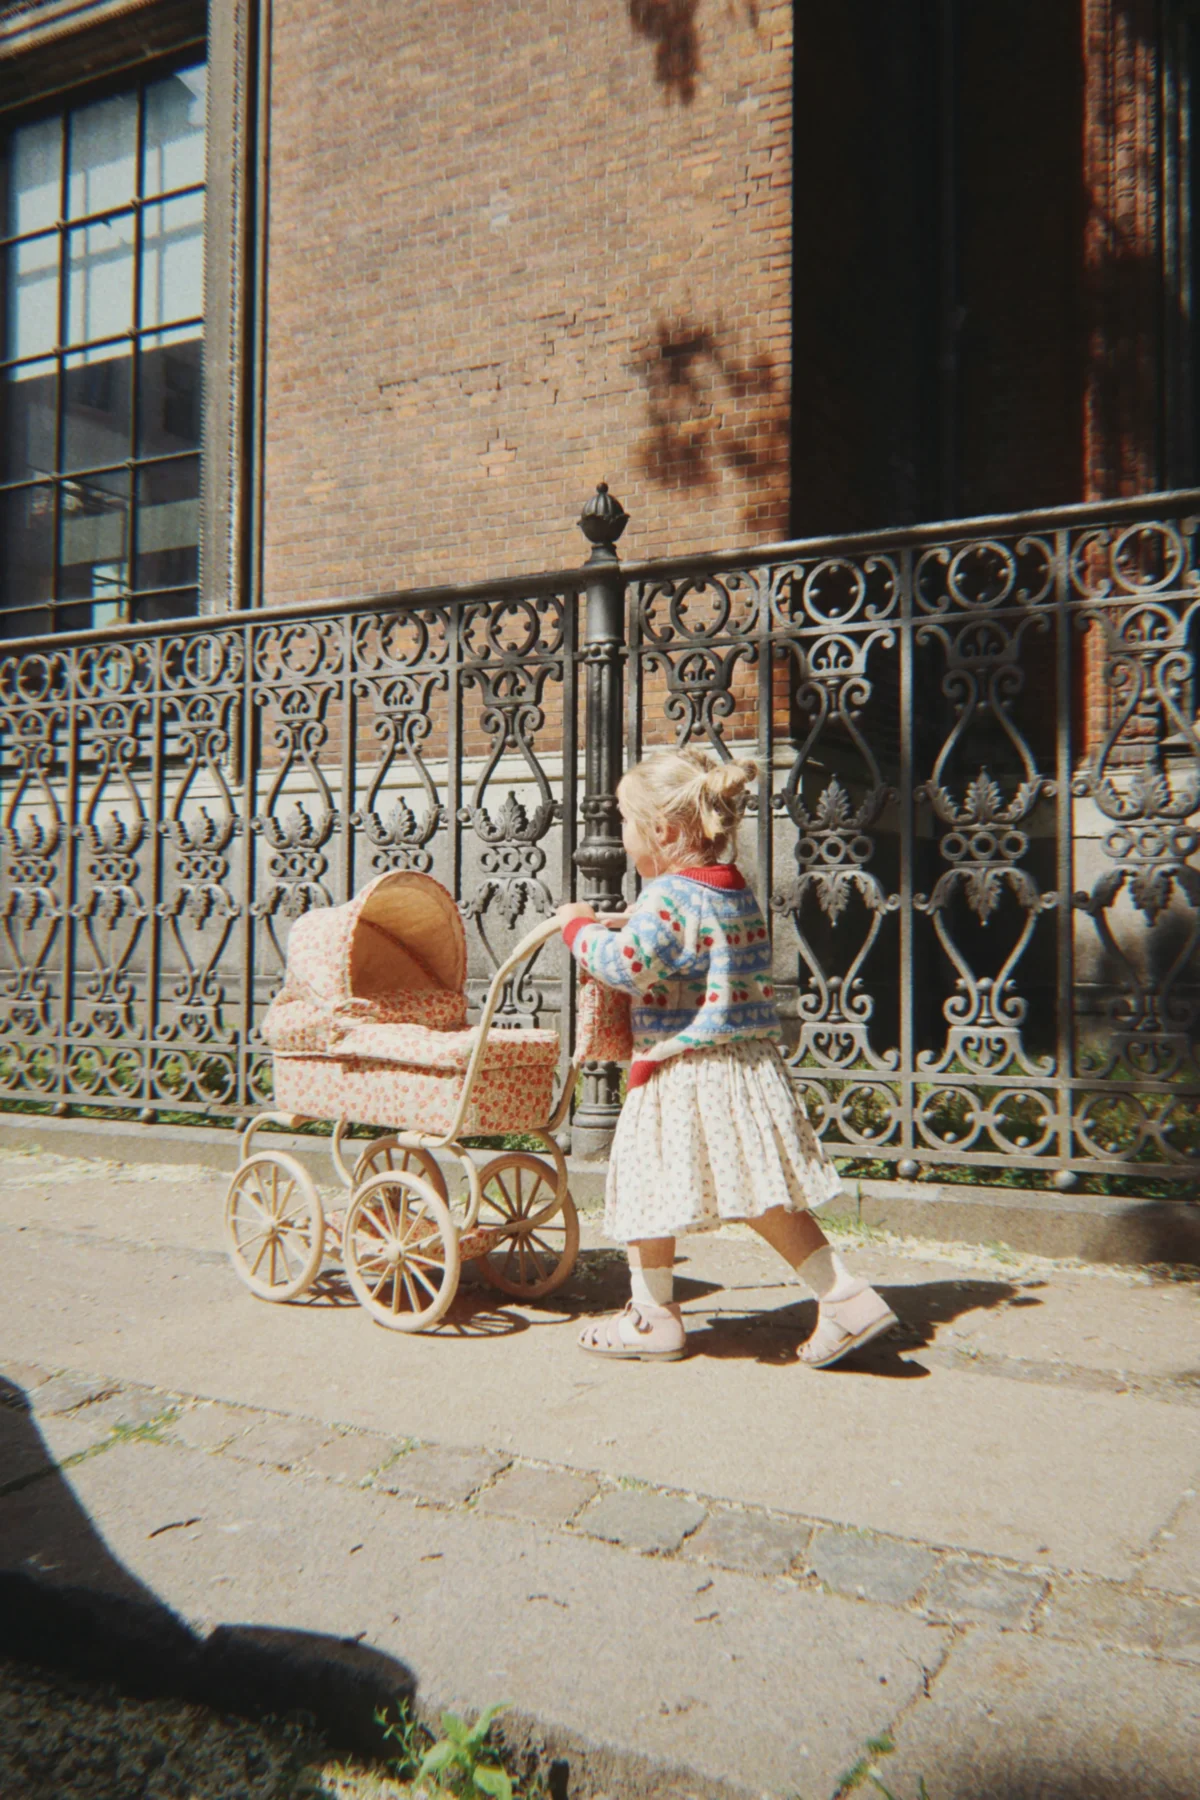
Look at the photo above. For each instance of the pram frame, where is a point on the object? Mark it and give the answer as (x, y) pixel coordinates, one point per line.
(471, 1242)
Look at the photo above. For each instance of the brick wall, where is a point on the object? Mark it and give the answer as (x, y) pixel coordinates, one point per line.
(516, 249)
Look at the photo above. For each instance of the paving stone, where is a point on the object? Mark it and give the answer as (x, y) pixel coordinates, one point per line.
(67, 1437)
(131, 1407)
(438, 1476)
(642, 1520)
(1174, 1563)
(547, 1496)
(281, 1443)
(22, 1452)
(1014, 1717)
(1102, 1612)
(27, 1449)
(874, 1568)
(970, 1590)
(1181, 1632)
(210, 1425)
(21, 1375)
(351, 1456)
(754, 1542)
(67, 1393)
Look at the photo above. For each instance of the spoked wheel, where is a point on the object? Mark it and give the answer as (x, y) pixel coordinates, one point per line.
(389, 1153)
(540, 1233)
(274, 1226)
(400, 1249)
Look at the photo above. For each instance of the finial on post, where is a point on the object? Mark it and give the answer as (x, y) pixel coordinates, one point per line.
(602, 521)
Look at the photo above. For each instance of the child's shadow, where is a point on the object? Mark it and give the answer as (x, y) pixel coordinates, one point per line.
(775, 1336)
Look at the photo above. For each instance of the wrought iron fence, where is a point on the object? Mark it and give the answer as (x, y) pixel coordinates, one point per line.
(977, 823)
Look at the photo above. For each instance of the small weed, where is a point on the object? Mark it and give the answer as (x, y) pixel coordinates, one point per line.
(865, 1770)
(454, 1761)
(457, 1763)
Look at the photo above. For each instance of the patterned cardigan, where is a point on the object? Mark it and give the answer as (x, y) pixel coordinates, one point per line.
(695, 957)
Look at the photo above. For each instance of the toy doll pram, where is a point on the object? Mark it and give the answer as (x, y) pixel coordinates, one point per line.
(371, 1027)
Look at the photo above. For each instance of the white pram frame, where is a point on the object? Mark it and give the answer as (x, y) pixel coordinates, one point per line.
(404, 1240)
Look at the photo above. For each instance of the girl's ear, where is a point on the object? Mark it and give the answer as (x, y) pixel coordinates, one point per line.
(665, 831)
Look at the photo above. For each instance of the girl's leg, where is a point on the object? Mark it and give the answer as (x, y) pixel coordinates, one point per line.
(849, 1311)
(652, 1271)
(651, 1326)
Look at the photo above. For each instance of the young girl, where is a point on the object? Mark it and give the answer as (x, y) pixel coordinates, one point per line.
(711, 1130)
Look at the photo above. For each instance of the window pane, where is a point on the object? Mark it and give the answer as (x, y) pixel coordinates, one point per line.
(93, 543)
(96, 408)
(34, 176)
(102, 156)
(174, 153)
(100, 280)
(173, 260)
(27, 421)
(169, 392)
(26, 555)
(168, 525)
(31, 277)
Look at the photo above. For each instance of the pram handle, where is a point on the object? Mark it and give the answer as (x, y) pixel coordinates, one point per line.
(520, 952)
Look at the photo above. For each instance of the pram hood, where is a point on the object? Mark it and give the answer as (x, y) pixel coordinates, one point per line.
(401, 933)
(397, 952)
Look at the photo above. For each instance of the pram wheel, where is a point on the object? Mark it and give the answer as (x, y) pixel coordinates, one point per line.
(400, 1251)
(389, 1153)
(540, 1240)
(274, 1226)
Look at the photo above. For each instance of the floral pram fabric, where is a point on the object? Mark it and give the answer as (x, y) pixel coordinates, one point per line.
(396, 1055)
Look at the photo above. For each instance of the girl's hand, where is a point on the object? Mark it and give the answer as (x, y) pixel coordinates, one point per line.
(575, 909)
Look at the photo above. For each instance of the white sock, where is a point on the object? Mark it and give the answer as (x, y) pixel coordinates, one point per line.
(652, 1287)
(828, 1276)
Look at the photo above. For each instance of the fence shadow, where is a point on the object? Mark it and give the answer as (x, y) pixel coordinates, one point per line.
(67, 1603)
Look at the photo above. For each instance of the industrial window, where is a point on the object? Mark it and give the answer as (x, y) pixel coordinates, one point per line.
(100, 380)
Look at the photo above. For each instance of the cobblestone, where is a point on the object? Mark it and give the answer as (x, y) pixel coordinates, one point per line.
(66, 1393)
(969, 1590)
(283, 1443)
(546, 1496)
(209, 1425)
(874, 1568)
(1102, 1612)
(351, 1456)
(753, 1542)
(642, 1520)
(438, 1476)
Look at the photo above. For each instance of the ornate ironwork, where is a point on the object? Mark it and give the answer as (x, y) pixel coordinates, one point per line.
(978, 819)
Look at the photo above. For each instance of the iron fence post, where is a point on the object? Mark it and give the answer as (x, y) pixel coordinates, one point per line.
(600, 857)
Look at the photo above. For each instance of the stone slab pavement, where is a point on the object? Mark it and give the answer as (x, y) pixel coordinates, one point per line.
(723, 1577)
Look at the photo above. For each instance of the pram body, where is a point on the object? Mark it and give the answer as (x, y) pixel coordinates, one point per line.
(370, 1028)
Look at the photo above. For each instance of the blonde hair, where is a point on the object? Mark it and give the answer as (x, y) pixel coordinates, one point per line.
(703, 797)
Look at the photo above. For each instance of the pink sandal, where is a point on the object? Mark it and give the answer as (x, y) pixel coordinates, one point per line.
(846, 1325)
(639, 1334)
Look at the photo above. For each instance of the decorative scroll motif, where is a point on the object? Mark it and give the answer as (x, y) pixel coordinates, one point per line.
(512, 651)
(984, 846)
(1152, 842)
(695, 634)
(34, 839)
(402, 677)
(834, 846)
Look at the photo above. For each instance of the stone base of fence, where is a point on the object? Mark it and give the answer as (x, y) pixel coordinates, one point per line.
(1093, 1227)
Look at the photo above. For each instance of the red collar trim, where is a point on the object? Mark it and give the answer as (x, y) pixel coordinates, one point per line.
(716, 875)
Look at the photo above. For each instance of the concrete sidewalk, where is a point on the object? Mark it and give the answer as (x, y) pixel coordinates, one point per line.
(720, 1577)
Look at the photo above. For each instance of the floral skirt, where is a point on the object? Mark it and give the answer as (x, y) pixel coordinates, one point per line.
(714, 1135)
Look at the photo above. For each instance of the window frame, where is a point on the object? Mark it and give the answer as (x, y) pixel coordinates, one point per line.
(53, 57)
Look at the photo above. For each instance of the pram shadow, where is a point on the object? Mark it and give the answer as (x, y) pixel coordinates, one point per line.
(475, 1312)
